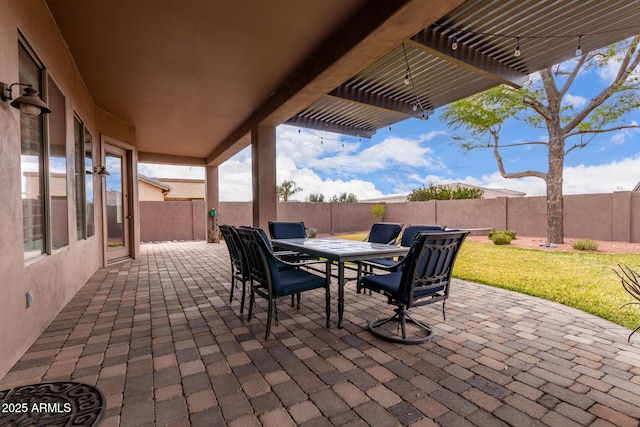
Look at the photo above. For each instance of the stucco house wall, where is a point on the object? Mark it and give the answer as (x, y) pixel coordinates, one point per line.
(184, 189)
(56, 277)
(148, 192)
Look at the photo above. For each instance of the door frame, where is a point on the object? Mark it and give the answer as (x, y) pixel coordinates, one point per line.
(133, 234)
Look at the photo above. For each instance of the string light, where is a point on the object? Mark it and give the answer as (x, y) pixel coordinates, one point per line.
(579, 48)
(516, 52)
(323, 138)
(415, 104)
(406, 77)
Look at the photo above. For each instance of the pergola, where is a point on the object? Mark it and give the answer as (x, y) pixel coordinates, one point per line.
(201, 80)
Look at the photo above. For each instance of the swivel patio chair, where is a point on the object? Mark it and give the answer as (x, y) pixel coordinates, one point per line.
(425, 278)
(389, 264)
(270, 282)
(239, 268)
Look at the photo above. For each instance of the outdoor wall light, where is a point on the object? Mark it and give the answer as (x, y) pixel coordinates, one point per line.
(29, 103)
(101, 170)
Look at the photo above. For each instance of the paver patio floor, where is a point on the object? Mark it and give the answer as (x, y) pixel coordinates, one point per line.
(159, 337)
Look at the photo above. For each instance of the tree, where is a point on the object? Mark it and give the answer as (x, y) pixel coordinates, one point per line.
(443, 192)
(315, 197)
(287, 189)
(344, 197)
(539, 104)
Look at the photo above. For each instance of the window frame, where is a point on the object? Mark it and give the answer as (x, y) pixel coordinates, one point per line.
(85, 229)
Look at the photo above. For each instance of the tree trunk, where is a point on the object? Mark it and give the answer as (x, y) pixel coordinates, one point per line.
(555, 203)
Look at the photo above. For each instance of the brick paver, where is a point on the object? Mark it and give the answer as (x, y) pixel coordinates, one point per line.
(159, 337)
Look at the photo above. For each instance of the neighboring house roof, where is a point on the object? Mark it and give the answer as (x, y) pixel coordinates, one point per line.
(489, 193)
(153, 181)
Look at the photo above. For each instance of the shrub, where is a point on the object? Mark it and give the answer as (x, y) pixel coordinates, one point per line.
(378, 211)
(443, 192)
(312, 232)
(585, 245)
(510, 233)
(500, 238)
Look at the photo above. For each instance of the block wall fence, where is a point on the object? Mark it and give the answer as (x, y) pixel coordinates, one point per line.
(605, 217)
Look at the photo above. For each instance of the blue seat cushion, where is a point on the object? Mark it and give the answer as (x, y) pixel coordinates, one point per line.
(294, 281)
(389, 284)
(383, 283)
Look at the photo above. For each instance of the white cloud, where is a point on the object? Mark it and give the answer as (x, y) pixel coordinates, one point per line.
(575, 101)
(603, 178)
(391, 152)
(171, 171)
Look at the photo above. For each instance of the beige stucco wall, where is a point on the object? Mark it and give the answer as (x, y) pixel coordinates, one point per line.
(54, 279)
(184, 189)
(149, 193)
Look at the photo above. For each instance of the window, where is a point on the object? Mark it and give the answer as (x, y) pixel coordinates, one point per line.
(84, 180)
(57, 167)
(32, 162)
(43, 163)
(88, 164)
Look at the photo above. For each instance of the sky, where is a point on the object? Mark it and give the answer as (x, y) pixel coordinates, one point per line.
(416, 153)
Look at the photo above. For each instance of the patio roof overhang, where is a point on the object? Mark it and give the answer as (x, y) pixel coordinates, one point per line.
(194, 77)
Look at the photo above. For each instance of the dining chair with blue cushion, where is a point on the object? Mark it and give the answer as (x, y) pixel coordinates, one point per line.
(425, 278)
(384, 232)
(289, 230)
(239, 268)
(271, 282)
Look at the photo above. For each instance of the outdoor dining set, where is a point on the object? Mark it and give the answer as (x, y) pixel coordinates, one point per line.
(411, 266)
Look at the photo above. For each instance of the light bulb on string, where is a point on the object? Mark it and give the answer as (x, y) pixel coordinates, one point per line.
(517, 52)
(454, 45)
(579, 48)
(414, 107)
(406, 77)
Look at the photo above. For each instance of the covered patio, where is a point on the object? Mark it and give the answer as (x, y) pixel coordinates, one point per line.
(158, 336)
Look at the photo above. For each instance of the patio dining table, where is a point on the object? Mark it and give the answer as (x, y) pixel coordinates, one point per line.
(341, 251)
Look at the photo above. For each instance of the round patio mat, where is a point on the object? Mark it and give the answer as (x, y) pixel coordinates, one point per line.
(52, 404)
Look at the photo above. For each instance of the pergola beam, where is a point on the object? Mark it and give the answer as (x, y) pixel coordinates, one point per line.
(372, 99)
(437, 44)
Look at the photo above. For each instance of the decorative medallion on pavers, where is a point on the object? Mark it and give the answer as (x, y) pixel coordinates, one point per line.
(52, 404)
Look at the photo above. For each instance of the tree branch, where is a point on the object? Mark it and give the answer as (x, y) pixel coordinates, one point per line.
(573, 75)
(507, 175)
(585, 132)
(626, 68)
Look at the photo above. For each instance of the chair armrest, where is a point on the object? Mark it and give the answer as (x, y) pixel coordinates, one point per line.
(300, 263)
(392, 267)
(285, 253)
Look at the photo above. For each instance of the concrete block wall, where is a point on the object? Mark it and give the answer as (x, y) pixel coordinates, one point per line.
(606, 217)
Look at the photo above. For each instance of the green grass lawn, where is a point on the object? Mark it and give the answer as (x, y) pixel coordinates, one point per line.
(583, 280)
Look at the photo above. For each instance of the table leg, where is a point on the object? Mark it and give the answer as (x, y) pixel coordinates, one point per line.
(328, 294)
(340, 292)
